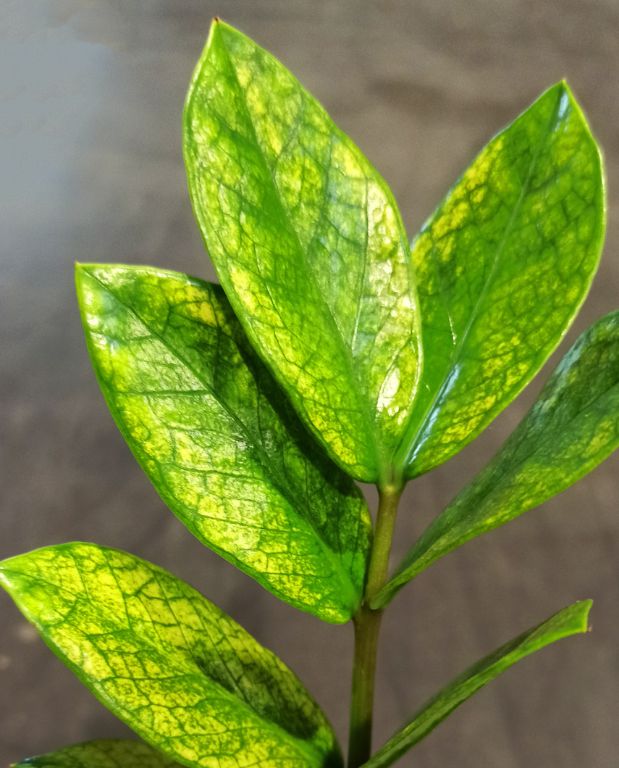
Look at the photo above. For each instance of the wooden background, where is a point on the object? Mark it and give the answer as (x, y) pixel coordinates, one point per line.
(91, 93)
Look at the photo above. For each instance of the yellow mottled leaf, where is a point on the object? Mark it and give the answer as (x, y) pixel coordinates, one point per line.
(178, 671)
(216, 436)
(309, 245)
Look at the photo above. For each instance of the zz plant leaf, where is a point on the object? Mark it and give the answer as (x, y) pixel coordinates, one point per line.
(310, 247)
(204, 420)
(570, 621)
(254, 405)
(106, 753)
(183, 675)
(573, 426)
(502, 268)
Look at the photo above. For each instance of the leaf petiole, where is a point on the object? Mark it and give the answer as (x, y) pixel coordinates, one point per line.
(367, 629)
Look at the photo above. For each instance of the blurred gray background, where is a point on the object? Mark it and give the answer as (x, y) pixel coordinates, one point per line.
(91, 93)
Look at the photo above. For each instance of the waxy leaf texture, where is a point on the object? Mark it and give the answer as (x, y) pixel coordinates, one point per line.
(571, 428)
(178, 671)
(570, 621)
(213, 432)
(106, 753)
(502, 268)
(333, 351)
(309, 245)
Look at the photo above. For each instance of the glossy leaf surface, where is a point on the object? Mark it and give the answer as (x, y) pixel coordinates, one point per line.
(107, 753)
(309, 246)
(571, 428)
(571, 620)
(212, 431)
(178, 671)
(502, 267)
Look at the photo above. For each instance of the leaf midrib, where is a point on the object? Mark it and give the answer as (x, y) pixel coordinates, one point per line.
(370, 426)
(455, 355)
(262, 459)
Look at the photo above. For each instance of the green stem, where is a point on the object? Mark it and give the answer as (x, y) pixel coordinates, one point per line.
(367, 629)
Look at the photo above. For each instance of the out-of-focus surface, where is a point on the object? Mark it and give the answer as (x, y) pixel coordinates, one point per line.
(91, 93)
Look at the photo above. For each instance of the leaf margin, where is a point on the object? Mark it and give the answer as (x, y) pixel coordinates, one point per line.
(572, 620)
(86, 271)
(384, 463)
(563, 89)
(434, 542)
(331, 758)
(56, 758)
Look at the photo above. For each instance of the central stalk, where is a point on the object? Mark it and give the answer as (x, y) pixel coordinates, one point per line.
(367, 629)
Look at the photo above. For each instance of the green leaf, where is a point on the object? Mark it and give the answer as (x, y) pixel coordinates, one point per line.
(571, 428)
(309, 246)
(502, 268)
(209, 427)
(178, 671)
(570, 621)
(106, 753)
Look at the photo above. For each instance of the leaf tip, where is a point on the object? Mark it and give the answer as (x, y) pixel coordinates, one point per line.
(565, 90)
(5, 581)
(564, 85)
(578, 614)
(83, 268)
(81, 272)
(217, 26)
(587, 605)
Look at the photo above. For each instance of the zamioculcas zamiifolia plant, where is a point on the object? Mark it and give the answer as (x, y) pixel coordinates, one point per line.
(331, 352)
